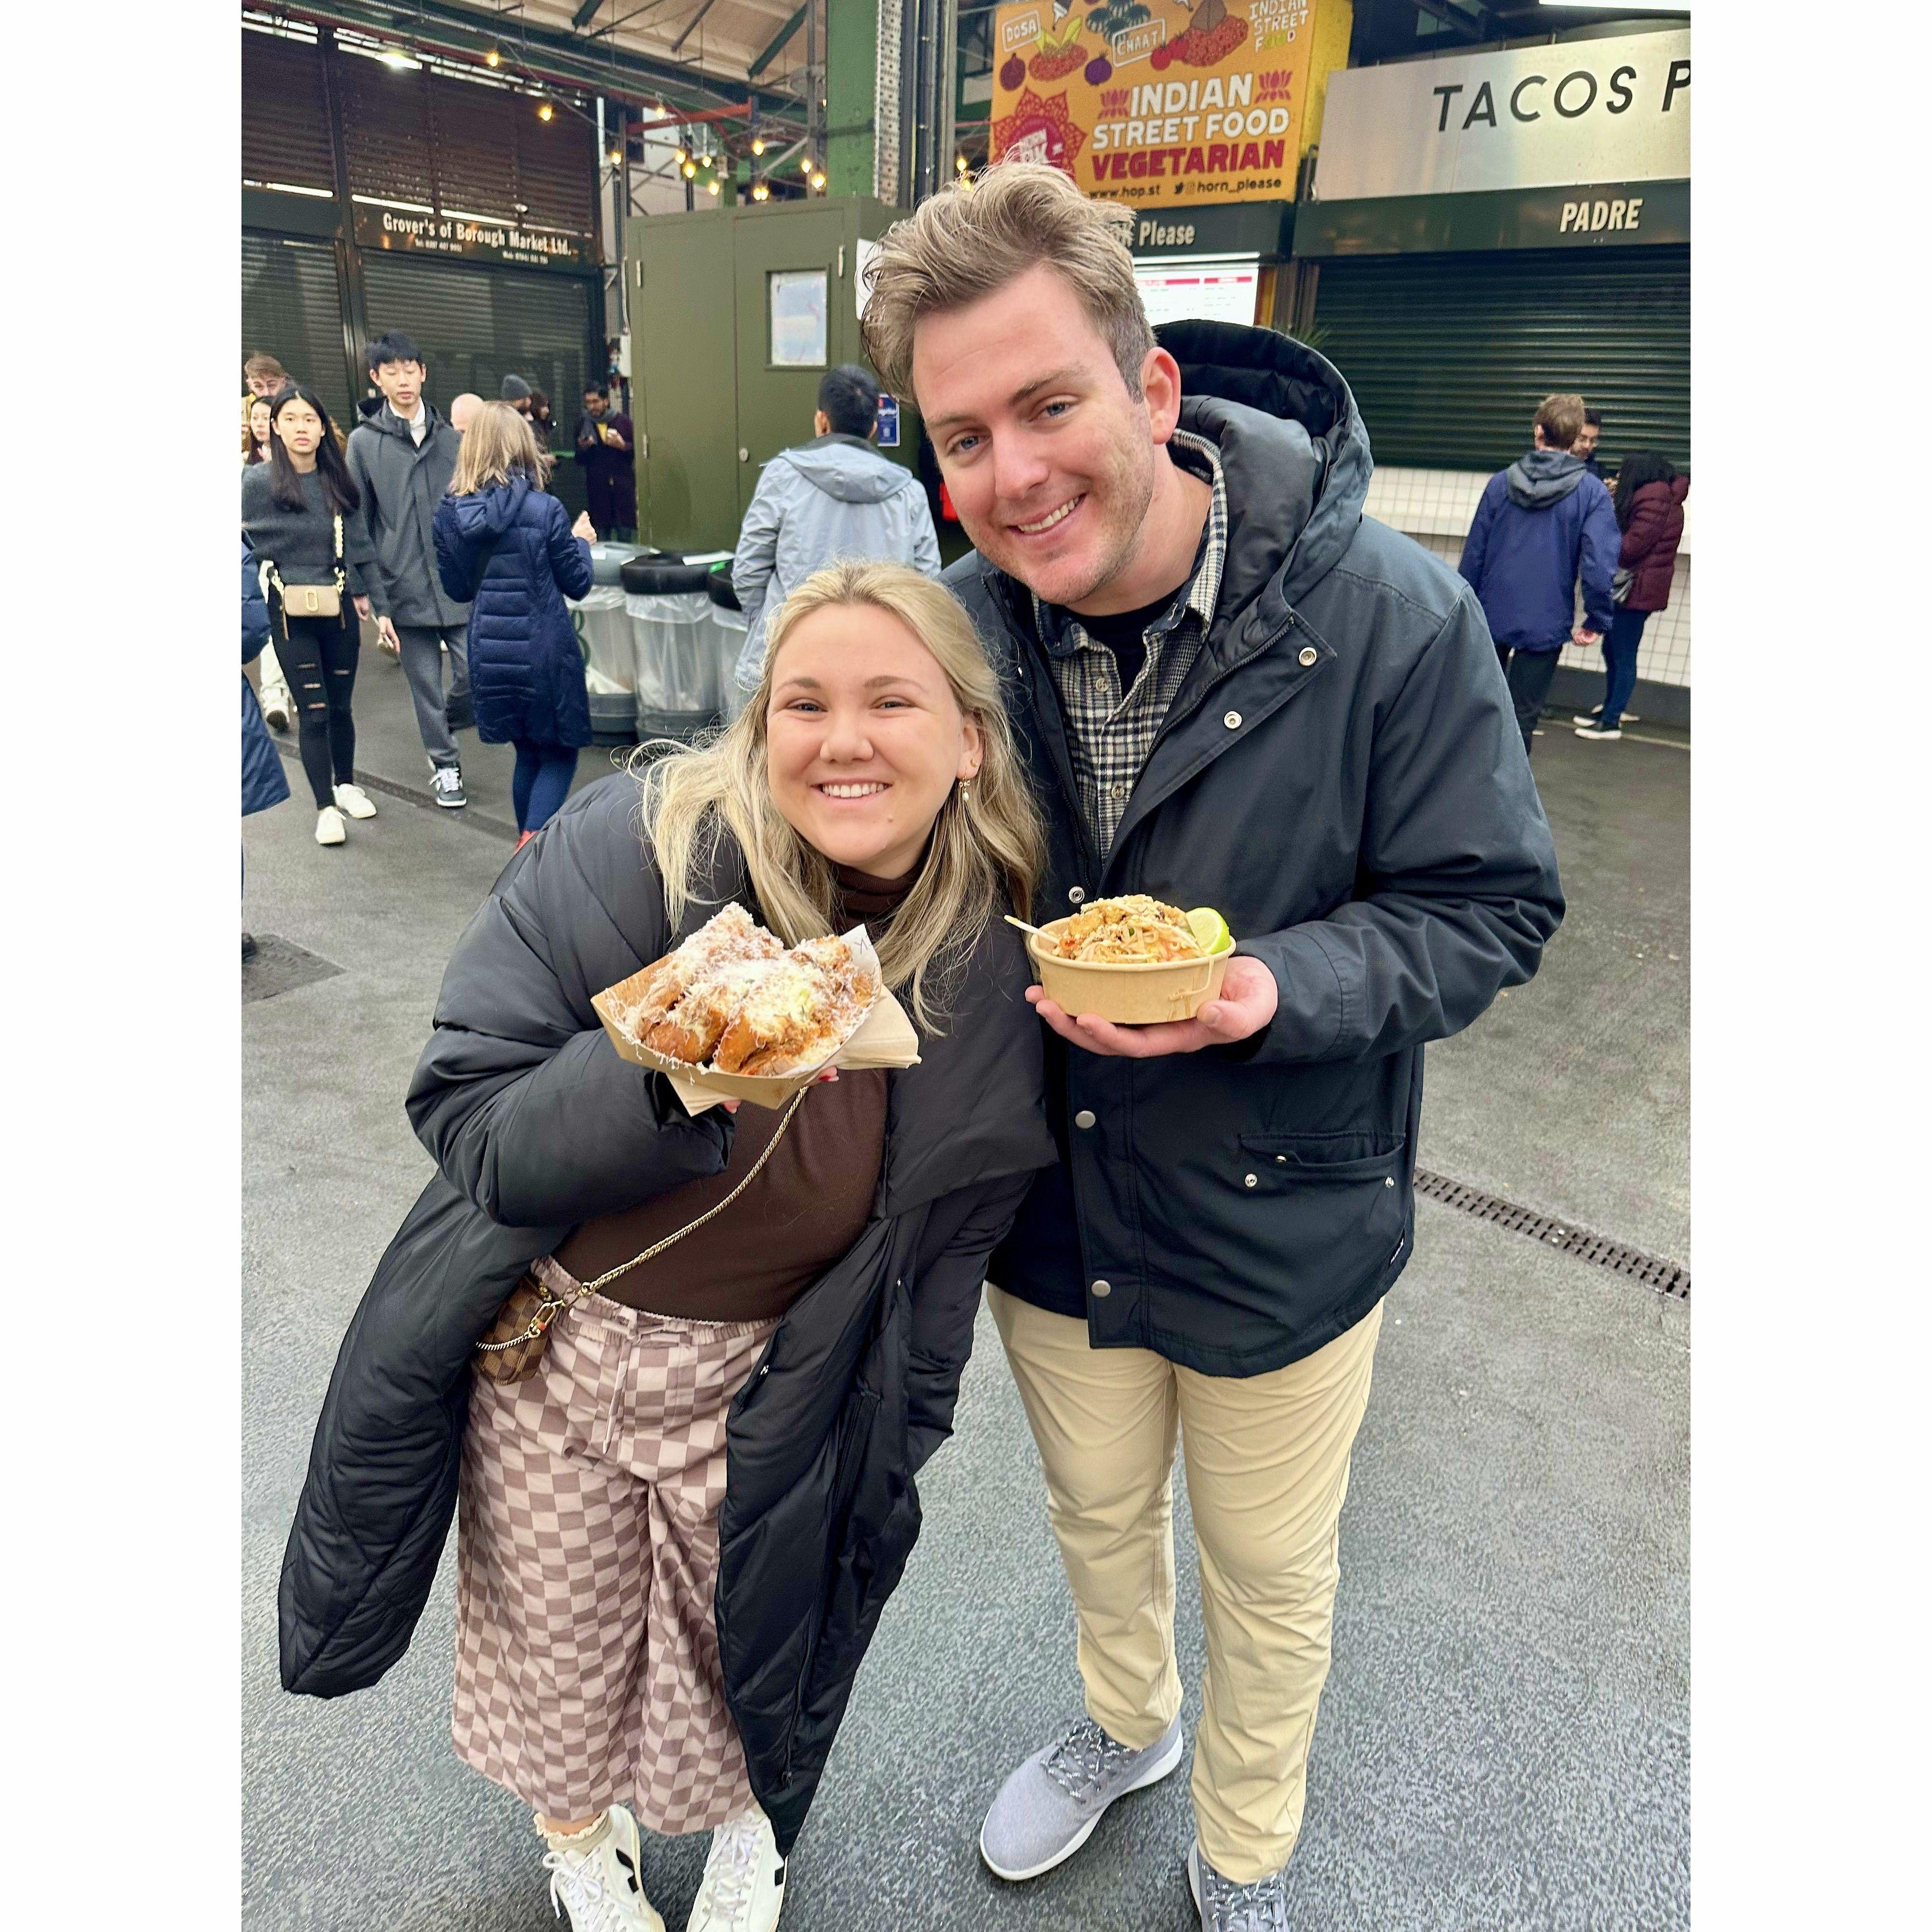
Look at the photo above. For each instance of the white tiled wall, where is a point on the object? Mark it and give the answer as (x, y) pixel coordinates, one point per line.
(1436, 508)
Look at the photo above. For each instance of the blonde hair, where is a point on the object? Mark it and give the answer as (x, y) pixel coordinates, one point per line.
(984, 845)
(970, 239)
(498, 444)
(1561, 419)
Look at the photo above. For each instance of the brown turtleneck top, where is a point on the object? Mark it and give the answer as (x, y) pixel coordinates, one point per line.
(807, 1208)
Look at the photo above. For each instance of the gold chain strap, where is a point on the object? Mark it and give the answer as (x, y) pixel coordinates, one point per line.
(552, 1306)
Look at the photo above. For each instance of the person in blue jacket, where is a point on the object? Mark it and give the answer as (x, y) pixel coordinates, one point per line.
(511, 552)
(264, 783)
(1543, 522)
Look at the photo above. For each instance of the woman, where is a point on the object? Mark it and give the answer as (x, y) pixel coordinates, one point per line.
(255, 431)
(511, 552)
(276, 705)
(542, 427)
(1649, 503)
(297, 513)
(705, 1494)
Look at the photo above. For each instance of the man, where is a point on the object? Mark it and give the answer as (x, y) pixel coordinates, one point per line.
(1540, 523)
(603, 440)
(835, 496)
(514, 391)
(1234, 690)
(402, 459)
(263, 377)
(463, 410)
(1585, 448)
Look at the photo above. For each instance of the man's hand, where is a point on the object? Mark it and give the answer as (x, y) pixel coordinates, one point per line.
(1248, 997)
(386, 639)
(616, 441)
(361, 604)
(1582, 634)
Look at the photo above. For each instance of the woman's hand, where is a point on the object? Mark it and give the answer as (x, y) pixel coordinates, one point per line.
(361, 607)
(583, 527)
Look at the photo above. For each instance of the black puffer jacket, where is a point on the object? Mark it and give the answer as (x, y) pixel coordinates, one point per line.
(1341, 774)
(537, 1125)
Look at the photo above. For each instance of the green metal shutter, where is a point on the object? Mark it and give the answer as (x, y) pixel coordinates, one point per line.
(477, 325)
(1449, 355)
(292, 307)
(284, 120)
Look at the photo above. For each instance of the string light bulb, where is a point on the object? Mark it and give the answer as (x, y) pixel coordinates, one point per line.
(805, 164)
(959, 164)
(818, 182)
(493, 59)
(760, 192)
(690, 171)
(616, 157)
(680, 156)
(713, 186)
(757, 144)
(545, 112)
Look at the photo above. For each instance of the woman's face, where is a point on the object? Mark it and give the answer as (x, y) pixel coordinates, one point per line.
(258, 421)
(864, 738)
(299, 427)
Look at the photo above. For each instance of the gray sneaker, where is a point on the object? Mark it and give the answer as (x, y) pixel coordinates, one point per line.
(1048, 1807)
(446, 785)
(1225, 1907)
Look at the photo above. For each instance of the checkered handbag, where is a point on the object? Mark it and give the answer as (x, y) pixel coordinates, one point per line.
(512, 1350)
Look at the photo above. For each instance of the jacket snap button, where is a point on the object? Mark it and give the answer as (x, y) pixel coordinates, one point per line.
(1102, 1289)
(1077, 894)
(1232, 721)
(1390, 1182)
(1248, 1180)
(1308, 655)
(1281, 1160)
(1084, 1118)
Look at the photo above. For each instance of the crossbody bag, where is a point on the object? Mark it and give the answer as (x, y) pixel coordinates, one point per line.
(310, 600)
(513, 1350)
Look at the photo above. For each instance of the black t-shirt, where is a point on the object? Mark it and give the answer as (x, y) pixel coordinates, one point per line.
(1124, 633)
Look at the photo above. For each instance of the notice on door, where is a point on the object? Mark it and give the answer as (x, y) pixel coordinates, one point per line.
(797, 297)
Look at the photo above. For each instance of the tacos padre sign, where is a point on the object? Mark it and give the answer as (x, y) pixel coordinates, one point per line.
(1155, 102)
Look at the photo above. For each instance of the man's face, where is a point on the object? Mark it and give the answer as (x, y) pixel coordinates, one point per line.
(401, 385)
(593, 401)
(1048, 458)
(1585, 444)
(265, 386)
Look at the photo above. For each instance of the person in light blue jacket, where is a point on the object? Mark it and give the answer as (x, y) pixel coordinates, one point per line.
(832, 498)
(1542, 524)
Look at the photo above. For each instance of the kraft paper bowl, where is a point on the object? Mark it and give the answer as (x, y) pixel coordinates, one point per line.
(1175, 989)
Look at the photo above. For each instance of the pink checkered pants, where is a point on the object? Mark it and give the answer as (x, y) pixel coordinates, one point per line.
(587, 1653)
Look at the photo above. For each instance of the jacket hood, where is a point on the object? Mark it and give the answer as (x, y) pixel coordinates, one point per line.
(848, 468)
(491, 512)
(1543, 478)
(386, 422)
(1295, 454)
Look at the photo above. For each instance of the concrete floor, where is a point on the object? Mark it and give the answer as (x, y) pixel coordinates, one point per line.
(1505, 1739)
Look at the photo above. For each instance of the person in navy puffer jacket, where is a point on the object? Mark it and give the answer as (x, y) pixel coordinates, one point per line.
(1543, 523)
(511, 553)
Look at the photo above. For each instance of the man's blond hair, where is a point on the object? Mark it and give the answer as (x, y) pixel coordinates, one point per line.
(1561, 420)
(968, 241)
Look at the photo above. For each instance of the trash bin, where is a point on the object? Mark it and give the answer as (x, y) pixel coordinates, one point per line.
(603, 629)
(680, 651)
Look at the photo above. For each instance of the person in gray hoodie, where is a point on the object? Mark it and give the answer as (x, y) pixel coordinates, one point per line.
(1543, 523)
(836, 496)
(402, 458)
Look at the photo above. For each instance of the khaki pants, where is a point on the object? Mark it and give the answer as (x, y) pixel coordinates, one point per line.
(1268, 1468)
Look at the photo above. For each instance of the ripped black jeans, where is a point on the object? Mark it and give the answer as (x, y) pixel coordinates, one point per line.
(318, 657)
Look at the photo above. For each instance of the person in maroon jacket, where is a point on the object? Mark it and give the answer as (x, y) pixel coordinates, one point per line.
(1649, 503)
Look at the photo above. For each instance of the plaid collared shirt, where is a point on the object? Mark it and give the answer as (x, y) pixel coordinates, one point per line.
(1109, 736)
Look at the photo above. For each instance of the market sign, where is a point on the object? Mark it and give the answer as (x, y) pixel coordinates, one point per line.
(1153, 102)
(1563, 114)
(413, 231)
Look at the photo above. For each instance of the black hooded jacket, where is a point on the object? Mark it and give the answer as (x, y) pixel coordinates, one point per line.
(1342, 776)
(536, 1125)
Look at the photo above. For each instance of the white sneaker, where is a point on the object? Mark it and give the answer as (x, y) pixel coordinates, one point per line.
(744, 1879)
(354, 800)
(275, 707)
(603, 1888)
(329, 829)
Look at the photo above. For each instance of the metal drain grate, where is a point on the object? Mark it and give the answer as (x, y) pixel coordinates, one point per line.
(280, 966)
(1667, 1277)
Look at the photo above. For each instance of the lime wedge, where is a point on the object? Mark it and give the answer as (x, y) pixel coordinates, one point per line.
(1210, 930)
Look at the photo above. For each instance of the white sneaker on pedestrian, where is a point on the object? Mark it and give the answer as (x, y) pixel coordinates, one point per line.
(744, 1878)
(329, 829)
(1596, 711)
(599, 1880)
(275, 708)
(354, 800)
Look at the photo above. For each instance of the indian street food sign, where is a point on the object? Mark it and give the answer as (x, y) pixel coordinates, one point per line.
(1155, 102)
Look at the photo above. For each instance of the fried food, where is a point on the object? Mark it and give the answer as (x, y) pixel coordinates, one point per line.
(1134, 931)
(732, 996)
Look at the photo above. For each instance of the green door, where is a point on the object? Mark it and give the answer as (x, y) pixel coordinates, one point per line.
(682, 337)
(796, 319)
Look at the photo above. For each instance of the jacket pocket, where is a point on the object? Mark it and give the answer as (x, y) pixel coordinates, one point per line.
(1337, 1207)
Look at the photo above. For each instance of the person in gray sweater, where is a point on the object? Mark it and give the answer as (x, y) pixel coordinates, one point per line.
(292, 507)
(835, 497)
(400, 459)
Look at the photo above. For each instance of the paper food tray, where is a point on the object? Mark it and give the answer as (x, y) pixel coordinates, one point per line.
(883, 1037)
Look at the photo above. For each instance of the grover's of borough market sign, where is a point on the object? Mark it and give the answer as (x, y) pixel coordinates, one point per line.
(1154, 102)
